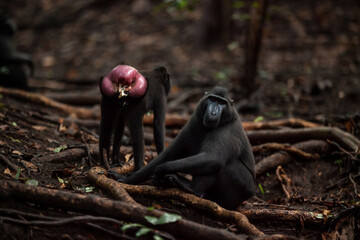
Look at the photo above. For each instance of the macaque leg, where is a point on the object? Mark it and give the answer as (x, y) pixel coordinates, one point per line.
(118, 133)
(137, 137)
(108, 115)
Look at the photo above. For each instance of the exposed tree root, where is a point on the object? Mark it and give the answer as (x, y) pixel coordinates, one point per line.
(346, 140)
(175, 194)
(286, 148)
(171, 120)
(75, 154)
(38, 98)
(290, 122)
(283, 158)
(104, 207)
(292, 216)
(116, 190)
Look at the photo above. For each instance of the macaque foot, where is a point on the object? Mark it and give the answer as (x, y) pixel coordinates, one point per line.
(116, 176)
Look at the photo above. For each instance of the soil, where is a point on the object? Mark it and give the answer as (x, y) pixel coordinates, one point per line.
(309, 68)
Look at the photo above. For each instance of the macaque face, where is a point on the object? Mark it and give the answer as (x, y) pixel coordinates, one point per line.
(122, 81)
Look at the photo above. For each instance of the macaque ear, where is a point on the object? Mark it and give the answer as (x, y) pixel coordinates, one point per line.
(124, 80)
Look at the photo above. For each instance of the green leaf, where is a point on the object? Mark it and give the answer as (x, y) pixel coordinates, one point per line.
(150, 208)
(168, 218)
(130, 225)
(14, 140)
(14, 124)
(338, 162)
(261, 189)
(89, 189)
(32, 182)
(18, 174)
(142, 231)
(164, 219)
(259, 119)
(220, 76)
(151, 219)
(4, 70)
(61, 180)
(232, 46)
(59, 149)
(157, 237)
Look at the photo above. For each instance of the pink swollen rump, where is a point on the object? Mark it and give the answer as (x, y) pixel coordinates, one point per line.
(127, 76)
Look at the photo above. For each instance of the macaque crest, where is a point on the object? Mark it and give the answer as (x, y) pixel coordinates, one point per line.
(122, 81)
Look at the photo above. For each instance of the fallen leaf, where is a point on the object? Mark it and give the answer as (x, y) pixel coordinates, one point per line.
(128, 157)
(4, 127)
(38, 127)
(29, 165)
(7, 171)
(17, 152)
(15, 140)
(34, 145)
(32, 182)
(60, 148)
(2, 143)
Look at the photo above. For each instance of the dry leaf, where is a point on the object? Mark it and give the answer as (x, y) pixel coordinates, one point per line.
(29, 165)
(38, 127)
(4, 127)
(2, 143)
(7, 171)
(128, 157)
(34, 145)
(17, 152)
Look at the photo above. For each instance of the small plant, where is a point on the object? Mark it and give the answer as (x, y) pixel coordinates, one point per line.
(163, 219)
(261, 189)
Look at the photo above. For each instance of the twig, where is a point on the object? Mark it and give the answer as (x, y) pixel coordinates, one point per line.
(343, 150)
(38, 216)
(354, 183)
(12, 165)
(62, 221)
(284, 180)
(108, 231)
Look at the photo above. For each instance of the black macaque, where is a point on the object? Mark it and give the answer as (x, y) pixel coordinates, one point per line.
(126, 96)
(15, 67)
(213, 148)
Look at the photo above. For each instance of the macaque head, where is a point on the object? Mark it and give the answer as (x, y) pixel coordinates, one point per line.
(122, 81)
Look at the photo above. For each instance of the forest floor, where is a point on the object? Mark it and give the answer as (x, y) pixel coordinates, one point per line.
(309, 69)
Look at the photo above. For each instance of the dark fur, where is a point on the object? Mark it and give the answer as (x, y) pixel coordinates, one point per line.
(219, 158)
(115, 113)
(15, 67)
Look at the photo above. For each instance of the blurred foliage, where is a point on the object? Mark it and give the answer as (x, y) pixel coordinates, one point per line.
(177, 5)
